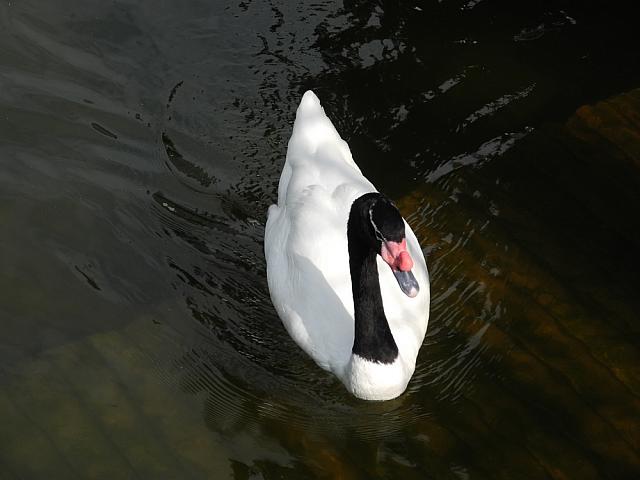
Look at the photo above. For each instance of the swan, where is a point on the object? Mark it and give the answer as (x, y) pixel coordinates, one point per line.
(346, 274)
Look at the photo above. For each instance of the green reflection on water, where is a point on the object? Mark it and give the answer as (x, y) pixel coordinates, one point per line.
(95, 409)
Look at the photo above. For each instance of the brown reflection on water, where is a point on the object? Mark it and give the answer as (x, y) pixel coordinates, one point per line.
(611, 127)
(557, 389)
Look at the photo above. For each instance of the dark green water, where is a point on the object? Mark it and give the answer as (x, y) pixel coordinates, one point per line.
(140, 146)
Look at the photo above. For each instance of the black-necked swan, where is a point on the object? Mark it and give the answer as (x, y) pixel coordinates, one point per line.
(345, 271)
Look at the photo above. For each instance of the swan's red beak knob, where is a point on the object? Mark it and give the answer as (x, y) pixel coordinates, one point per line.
(396, 255)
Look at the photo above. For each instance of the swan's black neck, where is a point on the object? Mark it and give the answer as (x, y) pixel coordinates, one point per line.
(373, 339)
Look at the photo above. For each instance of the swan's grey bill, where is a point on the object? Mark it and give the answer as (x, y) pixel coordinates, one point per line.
(408, 283)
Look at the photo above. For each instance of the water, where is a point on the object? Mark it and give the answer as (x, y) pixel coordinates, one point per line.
(140, 149)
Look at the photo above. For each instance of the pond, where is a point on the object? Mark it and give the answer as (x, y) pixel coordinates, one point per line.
(140, 147)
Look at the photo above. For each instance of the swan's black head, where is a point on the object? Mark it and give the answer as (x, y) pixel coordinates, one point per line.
(386, 221)
(379, 227)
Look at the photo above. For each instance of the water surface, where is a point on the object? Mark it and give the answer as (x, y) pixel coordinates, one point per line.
(140, 147)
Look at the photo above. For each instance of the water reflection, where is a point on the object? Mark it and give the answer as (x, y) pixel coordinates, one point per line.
(140, 151)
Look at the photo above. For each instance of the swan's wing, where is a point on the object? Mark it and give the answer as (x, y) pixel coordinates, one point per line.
(308, 272)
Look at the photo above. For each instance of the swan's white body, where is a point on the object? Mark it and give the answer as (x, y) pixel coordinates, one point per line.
(308, 262)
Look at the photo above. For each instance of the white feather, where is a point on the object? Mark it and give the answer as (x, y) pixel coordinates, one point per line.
(308, 261)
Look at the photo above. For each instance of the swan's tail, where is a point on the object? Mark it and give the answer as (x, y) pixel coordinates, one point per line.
(309, 105)
(315, 150)
(312, 127)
